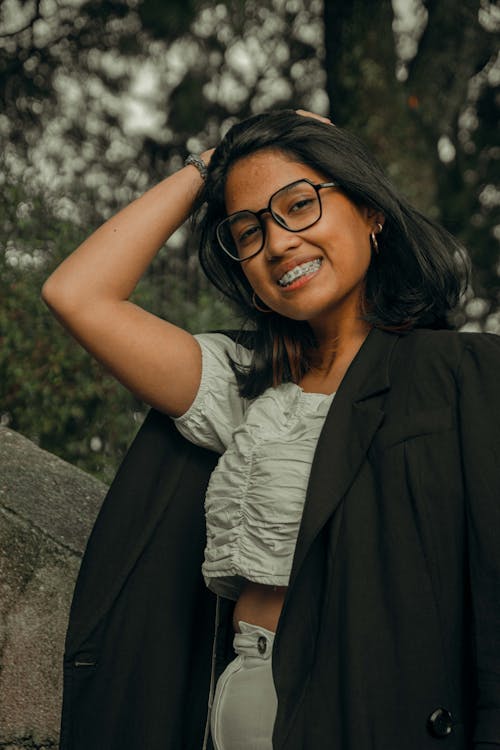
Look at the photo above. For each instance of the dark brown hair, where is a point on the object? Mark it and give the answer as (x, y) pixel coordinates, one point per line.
(413, 282)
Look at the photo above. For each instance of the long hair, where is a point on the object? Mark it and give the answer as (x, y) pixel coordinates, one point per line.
(413, 282)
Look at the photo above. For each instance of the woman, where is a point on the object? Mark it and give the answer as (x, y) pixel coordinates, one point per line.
(351, 449)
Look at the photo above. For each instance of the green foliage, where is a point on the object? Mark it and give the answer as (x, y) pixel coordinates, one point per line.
(434, 124)
(167, 20)
(98, 100)
(51, 390)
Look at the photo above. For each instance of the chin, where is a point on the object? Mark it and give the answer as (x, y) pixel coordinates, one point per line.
(299, 315)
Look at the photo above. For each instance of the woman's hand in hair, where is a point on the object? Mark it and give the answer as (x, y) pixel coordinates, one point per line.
(89, 292)
(205, 156)
(306, 113)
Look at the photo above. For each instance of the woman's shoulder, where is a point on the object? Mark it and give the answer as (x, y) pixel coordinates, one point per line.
(225, 345)
(448, 348)
(449, 342)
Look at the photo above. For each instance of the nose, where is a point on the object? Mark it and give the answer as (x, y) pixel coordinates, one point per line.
(278, 239)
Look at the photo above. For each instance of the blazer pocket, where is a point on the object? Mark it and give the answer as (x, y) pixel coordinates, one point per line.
(398, 429)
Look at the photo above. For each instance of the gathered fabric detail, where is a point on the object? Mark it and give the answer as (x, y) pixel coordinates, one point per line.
(218, 407)
(256, 493)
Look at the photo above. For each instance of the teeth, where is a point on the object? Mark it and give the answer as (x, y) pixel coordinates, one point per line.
(298, 271)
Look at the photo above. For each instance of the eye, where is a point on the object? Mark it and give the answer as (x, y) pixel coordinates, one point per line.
(297, 200)
(245, 229)
(301, 205)
(247, 234)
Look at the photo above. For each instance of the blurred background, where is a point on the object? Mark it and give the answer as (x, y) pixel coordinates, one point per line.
(100, 100)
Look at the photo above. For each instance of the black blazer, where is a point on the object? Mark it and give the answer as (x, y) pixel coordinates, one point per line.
(390, 632)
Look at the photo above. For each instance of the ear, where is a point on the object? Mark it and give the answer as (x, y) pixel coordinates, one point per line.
(375, 218)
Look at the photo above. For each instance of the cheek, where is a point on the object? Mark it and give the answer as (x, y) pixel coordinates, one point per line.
(253, 273)
(350, 246)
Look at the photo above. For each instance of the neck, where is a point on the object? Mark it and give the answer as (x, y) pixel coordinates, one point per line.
(338, 343)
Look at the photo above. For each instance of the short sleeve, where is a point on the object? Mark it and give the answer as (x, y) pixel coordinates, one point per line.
(218, 407)
(480, 442)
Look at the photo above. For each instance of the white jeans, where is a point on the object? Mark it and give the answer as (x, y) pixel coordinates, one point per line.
(244, 707)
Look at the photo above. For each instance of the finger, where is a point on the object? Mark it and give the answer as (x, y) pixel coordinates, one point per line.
(306, 113)
(207, 155)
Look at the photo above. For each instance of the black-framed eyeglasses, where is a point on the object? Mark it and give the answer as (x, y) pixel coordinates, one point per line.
(294, 207)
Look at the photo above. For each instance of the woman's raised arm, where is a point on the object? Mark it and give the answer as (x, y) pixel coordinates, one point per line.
(156, 360)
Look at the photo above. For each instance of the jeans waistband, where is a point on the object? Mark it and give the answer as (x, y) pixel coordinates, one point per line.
(254, 640)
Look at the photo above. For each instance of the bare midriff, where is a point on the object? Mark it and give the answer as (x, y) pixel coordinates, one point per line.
(259, 604)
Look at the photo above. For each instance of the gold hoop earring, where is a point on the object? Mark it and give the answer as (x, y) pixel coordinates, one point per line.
(373, 238)
(260, 309)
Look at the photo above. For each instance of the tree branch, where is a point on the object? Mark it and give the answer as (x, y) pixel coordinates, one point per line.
(452, 48)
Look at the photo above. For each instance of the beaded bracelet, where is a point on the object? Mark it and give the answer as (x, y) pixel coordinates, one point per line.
(197, 162)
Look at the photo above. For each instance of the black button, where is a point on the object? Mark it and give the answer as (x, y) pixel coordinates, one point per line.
(262, 644)
(440, 723)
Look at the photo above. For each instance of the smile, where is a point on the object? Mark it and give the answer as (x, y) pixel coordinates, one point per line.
(296, 273)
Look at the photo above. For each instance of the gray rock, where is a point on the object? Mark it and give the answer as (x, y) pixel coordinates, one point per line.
(47, 508)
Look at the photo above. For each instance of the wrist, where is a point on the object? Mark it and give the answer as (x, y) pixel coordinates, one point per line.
(199, 163)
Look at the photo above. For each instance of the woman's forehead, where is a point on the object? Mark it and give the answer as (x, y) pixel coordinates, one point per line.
(253, 179)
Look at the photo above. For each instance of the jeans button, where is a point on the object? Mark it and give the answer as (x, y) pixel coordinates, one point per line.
(262, 644)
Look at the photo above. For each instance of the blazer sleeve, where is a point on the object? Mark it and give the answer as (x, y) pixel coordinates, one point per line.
(479, 384)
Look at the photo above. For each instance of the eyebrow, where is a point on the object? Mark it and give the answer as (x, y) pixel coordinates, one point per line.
(289, 186)
(235, 215)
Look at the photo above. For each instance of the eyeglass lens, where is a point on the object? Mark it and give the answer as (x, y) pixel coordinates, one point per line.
(294, 207)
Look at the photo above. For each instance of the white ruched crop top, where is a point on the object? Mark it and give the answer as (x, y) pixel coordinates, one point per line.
(256, 493)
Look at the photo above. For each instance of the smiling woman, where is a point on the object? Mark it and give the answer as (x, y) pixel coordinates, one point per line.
(313, 269)
(412, 280)
(343, 568)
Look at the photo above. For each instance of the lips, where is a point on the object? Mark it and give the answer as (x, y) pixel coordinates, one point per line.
(299, 270)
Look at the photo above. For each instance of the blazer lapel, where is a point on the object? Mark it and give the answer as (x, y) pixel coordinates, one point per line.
(351, 423)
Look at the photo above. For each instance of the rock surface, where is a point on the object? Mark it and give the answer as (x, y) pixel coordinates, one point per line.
(47, 508)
